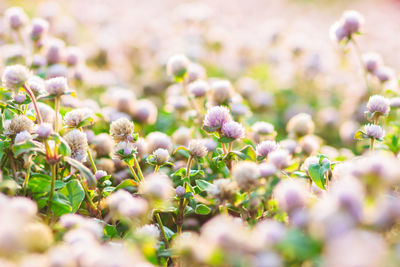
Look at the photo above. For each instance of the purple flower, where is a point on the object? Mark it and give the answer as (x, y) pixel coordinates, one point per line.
(372, 61)
(233, 130)
(217, 116)
(384, 74)
(378, 103)
(266, 147)
(374, 131)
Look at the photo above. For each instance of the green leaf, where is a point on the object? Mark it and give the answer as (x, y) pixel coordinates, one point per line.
(202, 209)
(29, 146)
(180, 173)
(86, 122)
(360, 135)
(75, 194)
(40, 183)
(249, 152)
(110, 231)
(60, 204)
(91, 180)
(126, 183)
(225, 139)
(210, 129)
(203, 184)
(196, 173)
(317, 173)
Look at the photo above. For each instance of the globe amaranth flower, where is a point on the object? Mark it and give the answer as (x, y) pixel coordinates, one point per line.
(180, 191)
(44, 130)
(157, 186)
(372, 61)
(374, 131)
(280, 158)
(39, 28)
(384, 74)
(267, 169)
(144, 111)
(300, 125)
(395, 102)
(197, 148)
(22, 137)
(75, 117)
(266, 147)
(216, 117)
(121, 130)
(156, 140)
(161, 156)
(36, 84)
(182, 136)
(177, 65)
(195, 72)
(100, 174)
(246, 174)
(103, 145)
(15, 17)
(223, 190)
(263, 128)
(350, 23)
(378, 104)
(15, 76)
(78, 144)
(198, 88)
(55, 51)
(233, 130)
(56, 86)
(221, 91)
(18, 124)
(127, 149)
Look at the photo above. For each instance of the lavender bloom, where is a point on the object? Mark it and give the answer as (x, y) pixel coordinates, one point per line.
(384, 74)
(56, 86)
(216, 117)
(266, 147)
(197, 148)
(198, 88)
(44, 130)
(39, 28)
(352, 21)
(100, 174)
(374, 131)
(378, 104)
(233, 130)
(15, 17)
(279, 158)
(15, 76)
(372, 61)
(177, 65)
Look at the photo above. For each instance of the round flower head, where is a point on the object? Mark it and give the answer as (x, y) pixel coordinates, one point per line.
(177, 65)
(372, 61)
(44, 130)
(103, 145)
(15, 17)
(76, 117)
(290, 194)
(145, 111)
(127, 149)
(233, 130)
(223, 190)
(73, 56)
(216, 117)
(374, 131)
(289, 145)
(280, 158)
(221, 91)
(378, 104)
(263, 128)
(57, 70)
(384, 74)
(246, 174)
(210, 144)
(39, 28)
(19, 98)
(180, 191)
(161, 156)
(338, 32)
(78, 143)
(195, 72)
(47, 113)
(198, 88)
(22, 137)
(56, 86)
(266, 147)
(157, 186)
(300, 125)
(267, 169)
(100, 174)
(352, 21)
(197, 148)
(55, 51)
(182, 136)
(158, 140)
(15, 76)
(18, 124)
(121, 130)
(36, 84)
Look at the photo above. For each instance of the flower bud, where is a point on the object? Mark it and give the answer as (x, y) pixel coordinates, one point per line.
(197, 148)
(161, 156)
(180, 191)
(19, 98)
(177, 66)
(100, 174)
(15, 17)
(56, 86)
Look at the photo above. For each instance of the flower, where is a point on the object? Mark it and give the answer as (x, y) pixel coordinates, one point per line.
(22, 137)
(39, 28)
(182, 136)
(15, 76)
(198, 88)
(223, 189)
(75, 117)
(216, 117)
(55, 51)
(263, 128)
(280, 158)
(36, 84)
(197, 148)
(15, 17)
(56, 86)
(384, 74)
(246, 174)
(352, 21)
(300, 125)
(372, 61)
(266, 147)
(103, 144)
(180, 191)
(145, 111)
(290, 194)
(221, 91)
(161, 156)
(378, 104)
(78, 143)
(233, 130)
(157, 186)
(267, 169)
(121, 130)
(19, 123)
(44, 130)
(158, 140)
(177, 65)
(374, 131)
(100, 174)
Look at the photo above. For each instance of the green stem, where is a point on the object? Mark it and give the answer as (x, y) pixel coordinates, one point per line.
(27, 175)
(57, 110)
(188, 165)
(137, 166)
(53, 182)
(134, 174)
(371, 147)
(160, 224)
(88, 198)
(156, 168)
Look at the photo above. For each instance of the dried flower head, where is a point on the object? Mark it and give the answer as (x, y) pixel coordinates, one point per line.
(216, 117)
(177, 65)
(15, 76)
(197, 148)
(246, 174)
(76, 117)
(78, 143)
(223, 190)
(18, 124)
(266, 147)
(122, 130)
(233, 130)
(56, 86)
(374, 131)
